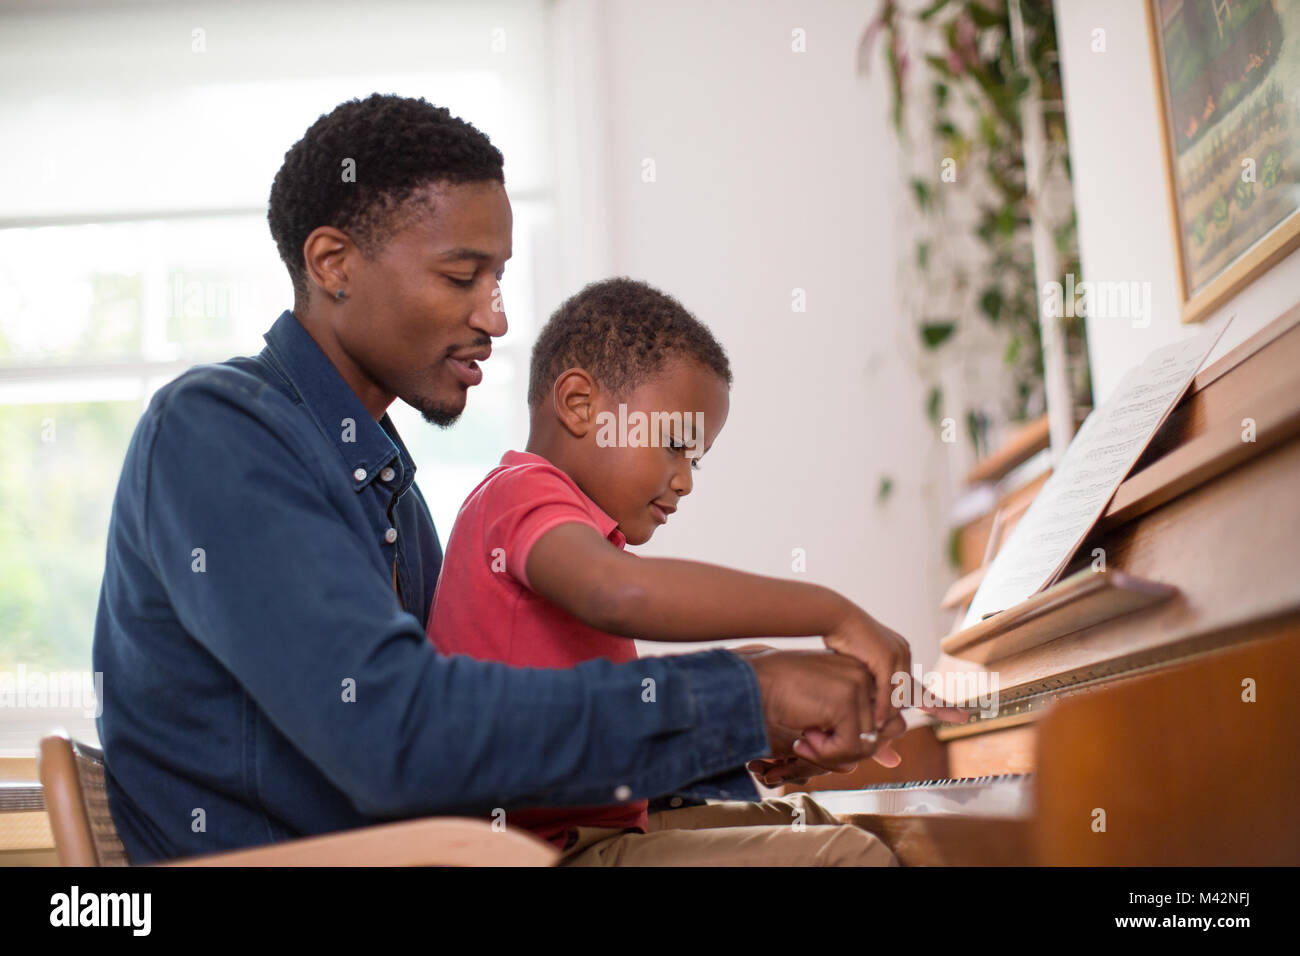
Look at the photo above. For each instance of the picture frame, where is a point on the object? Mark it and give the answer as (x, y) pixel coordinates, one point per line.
(1227, 75)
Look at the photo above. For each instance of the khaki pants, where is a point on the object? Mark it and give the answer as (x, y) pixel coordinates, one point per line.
(735, 833)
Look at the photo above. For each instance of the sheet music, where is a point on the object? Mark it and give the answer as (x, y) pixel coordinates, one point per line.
(1103, 452)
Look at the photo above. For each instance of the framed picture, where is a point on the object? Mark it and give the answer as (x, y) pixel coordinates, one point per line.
(1228, 75)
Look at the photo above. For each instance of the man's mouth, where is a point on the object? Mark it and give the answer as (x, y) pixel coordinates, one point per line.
(465, 366)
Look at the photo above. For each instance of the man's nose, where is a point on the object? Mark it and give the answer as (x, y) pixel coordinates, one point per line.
(489, 313)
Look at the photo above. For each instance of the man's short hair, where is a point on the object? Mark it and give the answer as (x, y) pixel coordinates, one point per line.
(622, 332)
(393, 146)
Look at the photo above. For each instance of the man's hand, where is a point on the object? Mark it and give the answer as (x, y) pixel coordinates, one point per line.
(820, 706)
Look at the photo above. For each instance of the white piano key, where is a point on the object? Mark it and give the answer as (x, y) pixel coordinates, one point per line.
(1006, 795)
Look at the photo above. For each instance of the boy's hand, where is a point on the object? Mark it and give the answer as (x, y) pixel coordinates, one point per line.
(936, 708)
(776, 771)
(884, 652)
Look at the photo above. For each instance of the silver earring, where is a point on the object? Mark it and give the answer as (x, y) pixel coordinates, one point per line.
(340, 295)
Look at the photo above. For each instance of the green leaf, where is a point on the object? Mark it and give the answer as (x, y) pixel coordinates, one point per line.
(934, 334)
(1013, 351)
(923, 255)
(932, 9)
(984, 18)
(886, 488)
(944, 129)
(974, 430)
(940, 65)
(921, 190)
(935, 404)
(1006, 220)
(991, 303)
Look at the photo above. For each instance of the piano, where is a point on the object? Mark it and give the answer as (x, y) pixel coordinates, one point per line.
(1160, 736)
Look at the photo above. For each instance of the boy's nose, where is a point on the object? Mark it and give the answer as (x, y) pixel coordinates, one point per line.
(682, 481)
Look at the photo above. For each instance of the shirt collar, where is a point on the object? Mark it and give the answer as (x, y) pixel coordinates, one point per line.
(607, 525)
(366, 446)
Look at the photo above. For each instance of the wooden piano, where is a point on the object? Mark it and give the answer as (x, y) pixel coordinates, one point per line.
(1165, 736)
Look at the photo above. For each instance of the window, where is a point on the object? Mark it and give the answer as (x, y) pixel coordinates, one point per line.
(134, 244)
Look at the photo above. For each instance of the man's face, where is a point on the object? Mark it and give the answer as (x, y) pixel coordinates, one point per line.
(639, 485)
(425, 305)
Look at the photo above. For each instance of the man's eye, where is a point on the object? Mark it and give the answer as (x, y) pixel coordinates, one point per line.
(463, 283)
(695, 464)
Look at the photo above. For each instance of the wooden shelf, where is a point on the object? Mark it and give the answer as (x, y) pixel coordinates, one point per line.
(1024, 443)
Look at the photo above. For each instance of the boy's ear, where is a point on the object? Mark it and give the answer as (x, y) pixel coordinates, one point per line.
(572, 396)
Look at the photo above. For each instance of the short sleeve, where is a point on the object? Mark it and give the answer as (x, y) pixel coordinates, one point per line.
(522, 504)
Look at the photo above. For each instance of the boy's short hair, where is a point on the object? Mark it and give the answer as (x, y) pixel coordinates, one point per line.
(397, 145)
(622, 332)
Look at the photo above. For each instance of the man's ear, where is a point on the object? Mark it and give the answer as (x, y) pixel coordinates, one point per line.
(573, 396)
(327, 253)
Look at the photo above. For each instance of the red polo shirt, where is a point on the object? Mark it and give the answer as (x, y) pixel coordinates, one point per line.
(483, 606)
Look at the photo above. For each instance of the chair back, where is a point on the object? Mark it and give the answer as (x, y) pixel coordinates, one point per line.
(72, 780)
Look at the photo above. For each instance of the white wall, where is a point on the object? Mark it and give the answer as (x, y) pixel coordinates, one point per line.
(775, 170)
(1119, 181)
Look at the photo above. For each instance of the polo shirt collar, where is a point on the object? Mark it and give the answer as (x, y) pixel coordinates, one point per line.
(366, 446)
(607, 525)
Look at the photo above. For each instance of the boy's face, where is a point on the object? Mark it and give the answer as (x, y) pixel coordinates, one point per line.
(637, 475)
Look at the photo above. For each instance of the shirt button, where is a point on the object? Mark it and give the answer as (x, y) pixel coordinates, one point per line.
(675, 802)
(387, 474)
(622, 792)
(390, 535)
(359, 474)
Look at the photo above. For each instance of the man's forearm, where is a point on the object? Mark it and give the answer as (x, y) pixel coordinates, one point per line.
(675, 720)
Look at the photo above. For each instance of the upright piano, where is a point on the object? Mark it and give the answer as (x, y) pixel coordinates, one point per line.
(1168, 735)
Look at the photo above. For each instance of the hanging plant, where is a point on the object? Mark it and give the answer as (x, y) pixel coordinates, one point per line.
(974, 88)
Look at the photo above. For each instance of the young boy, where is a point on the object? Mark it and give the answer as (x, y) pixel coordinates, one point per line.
(627, 393)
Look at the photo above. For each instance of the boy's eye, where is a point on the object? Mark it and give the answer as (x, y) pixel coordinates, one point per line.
(463, 283)
(675, 445)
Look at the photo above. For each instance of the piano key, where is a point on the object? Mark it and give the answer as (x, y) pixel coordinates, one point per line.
(1002, 795)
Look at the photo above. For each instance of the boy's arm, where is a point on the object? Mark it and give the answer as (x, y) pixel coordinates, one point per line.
(663, 599)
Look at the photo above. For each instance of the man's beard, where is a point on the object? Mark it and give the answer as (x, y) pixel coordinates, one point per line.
(436, 413)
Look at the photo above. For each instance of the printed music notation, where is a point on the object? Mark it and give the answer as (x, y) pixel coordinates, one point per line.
(1104, 451)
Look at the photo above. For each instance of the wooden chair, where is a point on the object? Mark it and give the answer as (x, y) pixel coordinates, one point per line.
(72, 779)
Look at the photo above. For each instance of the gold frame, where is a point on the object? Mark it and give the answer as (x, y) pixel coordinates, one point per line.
(1258, 259)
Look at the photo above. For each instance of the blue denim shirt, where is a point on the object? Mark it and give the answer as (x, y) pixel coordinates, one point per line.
(263, 680)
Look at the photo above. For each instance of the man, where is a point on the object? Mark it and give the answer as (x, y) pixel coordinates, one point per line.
(271, 563)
